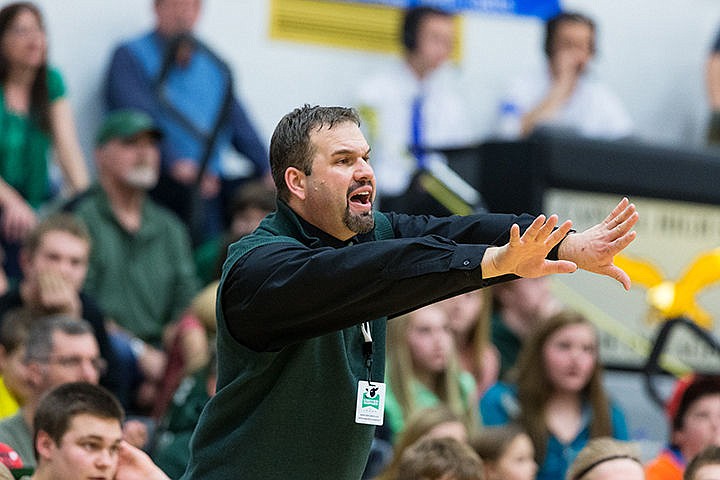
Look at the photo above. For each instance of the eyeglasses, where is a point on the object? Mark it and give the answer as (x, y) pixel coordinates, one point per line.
(76, 361)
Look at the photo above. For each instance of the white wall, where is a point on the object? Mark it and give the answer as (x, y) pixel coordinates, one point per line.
(651, 52)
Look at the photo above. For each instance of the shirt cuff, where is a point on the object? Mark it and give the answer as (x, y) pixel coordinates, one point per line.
(554, 253)
(467, 257)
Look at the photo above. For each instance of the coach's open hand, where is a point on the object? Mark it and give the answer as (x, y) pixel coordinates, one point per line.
(592, 250)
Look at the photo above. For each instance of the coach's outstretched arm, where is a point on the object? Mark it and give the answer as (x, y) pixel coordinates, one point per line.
(592, 250)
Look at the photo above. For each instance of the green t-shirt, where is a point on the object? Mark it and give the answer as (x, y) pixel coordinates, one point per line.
(424, 398)
(24, 147)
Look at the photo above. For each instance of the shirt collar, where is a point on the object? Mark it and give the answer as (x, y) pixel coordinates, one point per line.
(313, 236)
(147, 227)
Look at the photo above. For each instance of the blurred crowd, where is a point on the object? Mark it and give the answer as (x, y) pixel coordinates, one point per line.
(110, 278)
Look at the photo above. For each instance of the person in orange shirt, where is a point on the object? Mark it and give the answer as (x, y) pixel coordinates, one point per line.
(694, 413)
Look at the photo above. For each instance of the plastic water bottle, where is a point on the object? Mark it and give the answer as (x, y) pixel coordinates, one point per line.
(509, 123)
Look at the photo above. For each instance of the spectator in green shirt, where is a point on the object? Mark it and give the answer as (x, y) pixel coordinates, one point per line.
(141, 270)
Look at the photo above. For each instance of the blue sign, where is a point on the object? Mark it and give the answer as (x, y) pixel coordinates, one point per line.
(535, 8)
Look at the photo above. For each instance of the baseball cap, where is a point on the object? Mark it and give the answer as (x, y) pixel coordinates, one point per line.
(125, 123)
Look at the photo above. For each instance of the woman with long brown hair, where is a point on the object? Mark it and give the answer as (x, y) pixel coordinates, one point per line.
(558, 396)
(35, 119)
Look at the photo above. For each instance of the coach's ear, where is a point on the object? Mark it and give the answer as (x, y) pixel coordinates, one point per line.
(296, 182)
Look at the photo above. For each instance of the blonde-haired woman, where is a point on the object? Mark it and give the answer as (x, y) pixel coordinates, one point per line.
(558, 396)
(423, 369)
(469, 315)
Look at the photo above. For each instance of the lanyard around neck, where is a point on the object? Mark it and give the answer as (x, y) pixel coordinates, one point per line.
(367, 348)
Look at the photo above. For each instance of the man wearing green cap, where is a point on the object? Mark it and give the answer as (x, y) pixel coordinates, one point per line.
(141, 270)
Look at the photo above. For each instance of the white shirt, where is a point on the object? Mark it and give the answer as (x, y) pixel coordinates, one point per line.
(385, 103)
(593, 110)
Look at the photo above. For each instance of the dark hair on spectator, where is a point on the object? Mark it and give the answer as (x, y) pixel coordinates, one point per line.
(57, 222)
(552, 25)
(39, 96)
(709, 456)
(688, 393)
(290, 145)
(39, 343)
(440, 458)
(254, 194)
(15, 328)
(59, 406)
(412, 21)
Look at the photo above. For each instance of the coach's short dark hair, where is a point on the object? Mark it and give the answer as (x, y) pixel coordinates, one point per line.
(290, 145)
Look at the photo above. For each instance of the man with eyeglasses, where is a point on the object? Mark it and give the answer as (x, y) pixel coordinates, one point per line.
(59, 349)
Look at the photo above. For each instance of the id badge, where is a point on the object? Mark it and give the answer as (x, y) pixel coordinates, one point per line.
(370, 408)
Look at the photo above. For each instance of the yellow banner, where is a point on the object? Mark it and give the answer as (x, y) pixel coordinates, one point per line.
(358, 26)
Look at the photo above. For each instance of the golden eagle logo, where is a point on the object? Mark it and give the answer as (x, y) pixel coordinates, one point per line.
(668, 299)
